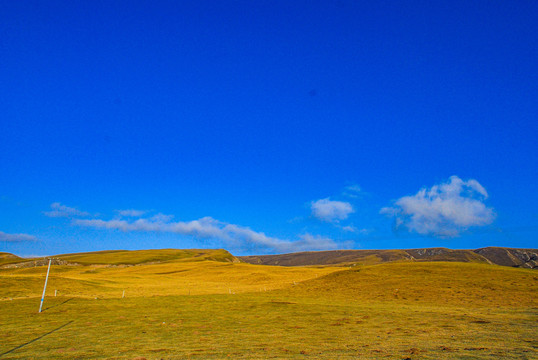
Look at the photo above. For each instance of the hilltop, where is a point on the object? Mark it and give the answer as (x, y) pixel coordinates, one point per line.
(137, 257)
(7, 258)
(523, 258)
(122, 257)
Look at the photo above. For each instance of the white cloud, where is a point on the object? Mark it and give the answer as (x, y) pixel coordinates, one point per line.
(59, 210)
(443, 210)
(352, 191)
(16, 237)
(209, 228)
(162, 217)
(331, 211)
(356, 230)
(131, 212)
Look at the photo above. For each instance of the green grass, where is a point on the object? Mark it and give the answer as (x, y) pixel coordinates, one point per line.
(439, 311)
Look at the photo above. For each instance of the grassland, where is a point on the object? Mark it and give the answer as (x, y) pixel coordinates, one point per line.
(123, 257)
(181, 307)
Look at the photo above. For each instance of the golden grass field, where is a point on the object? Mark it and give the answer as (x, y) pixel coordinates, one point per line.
(203, 304)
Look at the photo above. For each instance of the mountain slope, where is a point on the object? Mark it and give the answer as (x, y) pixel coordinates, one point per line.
(525, 258)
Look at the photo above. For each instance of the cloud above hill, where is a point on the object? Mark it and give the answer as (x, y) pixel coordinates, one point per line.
(16, 237)
(204, 228)
(330, 210)
(444, 210)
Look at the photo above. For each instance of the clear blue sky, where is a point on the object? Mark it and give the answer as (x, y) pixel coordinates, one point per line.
(267, 126)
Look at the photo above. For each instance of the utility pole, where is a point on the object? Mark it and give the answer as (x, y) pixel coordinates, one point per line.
(45, 287)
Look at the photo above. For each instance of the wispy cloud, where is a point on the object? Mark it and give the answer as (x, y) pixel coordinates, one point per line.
(16, 237)
(131, 212)
(209, 228)
(331, 211)
(443, 210)
(59, 210)
(352, 191)
(354, 229)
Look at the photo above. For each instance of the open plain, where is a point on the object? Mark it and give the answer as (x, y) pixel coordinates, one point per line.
(207, 304)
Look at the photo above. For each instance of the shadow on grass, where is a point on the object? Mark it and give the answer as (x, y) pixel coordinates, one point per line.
(37, 338)
(53, 306)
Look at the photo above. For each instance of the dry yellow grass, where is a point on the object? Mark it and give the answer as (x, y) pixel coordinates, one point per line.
(393, 311)
(7, 258)
(137, 257)
(450, 283)
(181, 276)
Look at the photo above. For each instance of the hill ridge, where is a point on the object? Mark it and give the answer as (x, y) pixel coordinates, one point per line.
(126, 257)
(514, 257)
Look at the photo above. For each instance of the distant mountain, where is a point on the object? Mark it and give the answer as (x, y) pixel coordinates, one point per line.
(524, 258)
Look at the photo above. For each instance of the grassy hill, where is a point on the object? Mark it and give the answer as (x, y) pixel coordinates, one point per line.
(526, 258)
(201, 304)
(428, 282)
(7, 258)
(136, 257)
(148, 273)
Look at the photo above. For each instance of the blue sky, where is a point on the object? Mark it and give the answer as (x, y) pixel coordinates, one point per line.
(267, 126)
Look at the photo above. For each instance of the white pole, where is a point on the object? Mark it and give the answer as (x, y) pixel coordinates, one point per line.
(55, 292)
(123, 295)
(45, 287)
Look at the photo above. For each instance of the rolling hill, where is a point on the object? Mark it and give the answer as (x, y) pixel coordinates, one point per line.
(7, 258)
(203, 304)
(121, 257)
(137, 257)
